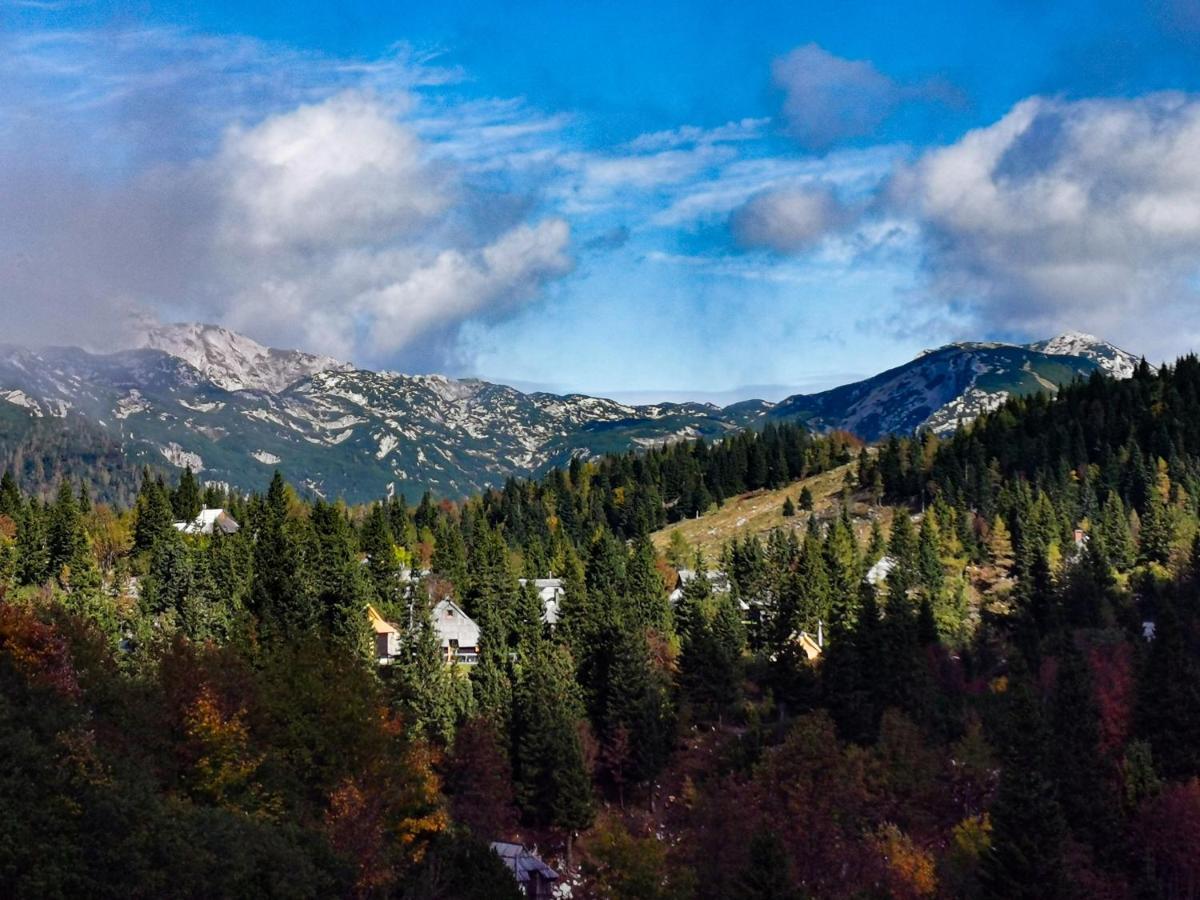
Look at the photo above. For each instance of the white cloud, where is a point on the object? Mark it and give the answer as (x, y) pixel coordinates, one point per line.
(789, 221)
(455, 286)
(1063, 214)
(337, 172)
(337, 229)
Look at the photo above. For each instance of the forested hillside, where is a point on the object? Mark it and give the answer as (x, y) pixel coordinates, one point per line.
(1008, 707)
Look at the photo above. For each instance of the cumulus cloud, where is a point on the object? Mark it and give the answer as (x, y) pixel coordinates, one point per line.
(828, 98)
(337, 228)
(340, 221)
(456, 286)
(1062, 214)
(789, 220)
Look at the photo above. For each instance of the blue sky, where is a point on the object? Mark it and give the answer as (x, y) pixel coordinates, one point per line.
(643, 199)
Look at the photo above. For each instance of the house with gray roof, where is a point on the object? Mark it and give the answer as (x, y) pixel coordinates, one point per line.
(535, 878)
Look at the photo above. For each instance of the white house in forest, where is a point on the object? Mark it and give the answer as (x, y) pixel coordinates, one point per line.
(457, 632)
(208, 522)
(550, 592)
(718, 581)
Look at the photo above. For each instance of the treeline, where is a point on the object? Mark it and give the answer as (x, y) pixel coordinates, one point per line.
(1004, 709)
(39, 452)
(639, 492)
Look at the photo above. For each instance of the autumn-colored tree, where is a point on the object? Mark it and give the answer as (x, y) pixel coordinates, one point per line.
(632, 868)
(1168, 835)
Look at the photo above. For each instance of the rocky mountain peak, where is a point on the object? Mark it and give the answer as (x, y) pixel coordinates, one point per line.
(236, 362)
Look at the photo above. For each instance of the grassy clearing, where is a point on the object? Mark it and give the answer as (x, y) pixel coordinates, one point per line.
(761, 512)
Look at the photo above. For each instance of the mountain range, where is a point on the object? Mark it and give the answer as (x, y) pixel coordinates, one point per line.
(233, 410)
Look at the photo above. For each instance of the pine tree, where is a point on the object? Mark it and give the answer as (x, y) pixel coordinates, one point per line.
(789, 508)
(902, 547)
(433, 696)
(382, 564)
(1025, 859)
(552, 786)
(152, 512)
(806, 499)
(647, 597)
(33, 551)
(1114, 534)
(929, 564)
(341, 590)
(1156, 534)
(279, 595)
(10, 496)
(450, 556)
(186, 501)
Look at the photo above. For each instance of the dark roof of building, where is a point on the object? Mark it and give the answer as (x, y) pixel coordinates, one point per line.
(521, 862)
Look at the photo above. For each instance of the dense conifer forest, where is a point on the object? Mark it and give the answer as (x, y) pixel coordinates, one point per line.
(1003, 702)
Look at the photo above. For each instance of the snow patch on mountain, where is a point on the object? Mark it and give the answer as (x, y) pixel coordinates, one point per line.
(267, 459)
(1111, 359)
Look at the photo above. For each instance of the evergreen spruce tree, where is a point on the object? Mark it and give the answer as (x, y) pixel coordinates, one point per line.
(279, 594)
(1168, 711)
(902, 547)
(553, 789)
(1114, 534)
(450, 555)
(1156, 534)
(1025, 859)
(11, 504)
(382, 563)
(877, 546)
(492, 589)
(789, 508)
(1075, 759)
(929, 564)
(814, 591)
(186, 500)
(341, 590)
(169, 582)
(647, 599)
(33, 551)
(152, 513)
(433, 696)
(70, 553)
(843, 567)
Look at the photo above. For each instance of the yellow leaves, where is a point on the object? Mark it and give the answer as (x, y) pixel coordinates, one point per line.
(910, 870)
(973, 835)
(382, 821)
(224, 766)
